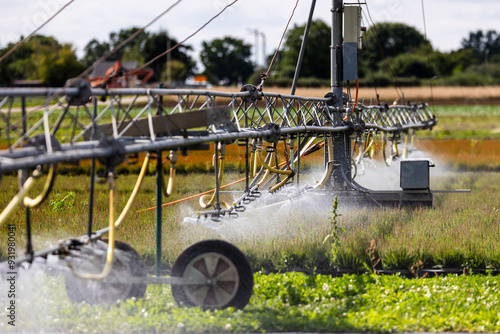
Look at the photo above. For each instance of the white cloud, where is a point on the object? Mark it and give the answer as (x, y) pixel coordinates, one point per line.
(448, 21)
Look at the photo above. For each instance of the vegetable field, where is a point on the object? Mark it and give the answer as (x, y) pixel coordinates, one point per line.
(302, 258)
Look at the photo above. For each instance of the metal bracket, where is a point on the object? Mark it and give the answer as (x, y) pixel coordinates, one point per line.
(118, 150)
(275, 136)
(84, 92)
(254, 93)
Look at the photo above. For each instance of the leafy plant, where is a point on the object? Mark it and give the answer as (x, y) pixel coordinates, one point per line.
(59, 204)
(333, 238)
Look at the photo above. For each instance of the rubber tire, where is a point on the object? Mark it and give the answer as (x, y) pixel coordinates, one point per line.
(233, 254)
(76, 293)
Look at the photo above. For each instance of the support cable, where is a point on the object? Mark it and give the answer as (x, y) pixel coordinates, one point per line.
(187, 38)
(24, 40)
(265, 75)
(389, 68)
(427, 52)
(370, 60)
(133, 36)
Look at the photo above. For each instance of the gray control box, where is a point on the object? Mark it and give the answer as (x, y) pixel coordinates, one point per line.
(414, 174)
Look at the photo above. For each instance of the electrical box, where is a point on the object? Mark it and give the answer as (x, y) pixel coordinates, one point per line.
(352, 41)
(352, 25)
(414, 174)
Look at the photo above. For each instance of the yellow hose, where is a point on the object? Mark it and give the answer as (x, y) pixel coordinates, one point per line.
(167, 188)
(369, 150)
(111, 241)
(115, 224)
(18, 198)
(405, 150)
(282, 183)
(135, 191)
(222, 159)
(263, 178)
(266, 166)
(253, 164)
(34, 202)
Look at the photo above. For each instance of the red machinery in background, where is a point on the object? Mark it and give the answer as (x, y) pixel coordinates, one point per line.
(117, 76)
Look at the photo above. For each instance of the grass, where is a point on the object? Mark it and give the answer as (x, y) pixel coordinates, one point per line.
(461, 231)
(290, 302)
(465, 122)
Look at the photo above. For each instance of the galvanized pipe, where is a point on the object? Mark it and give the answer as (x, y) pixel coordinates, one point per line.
(302, 49)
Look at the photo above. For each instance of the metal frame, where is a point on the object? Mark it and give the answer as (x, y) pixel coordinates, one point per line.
(253, 114)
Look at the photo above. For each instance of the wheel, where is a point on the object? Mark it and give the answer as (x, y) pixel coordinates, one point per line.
(127, 263)
(227, 276)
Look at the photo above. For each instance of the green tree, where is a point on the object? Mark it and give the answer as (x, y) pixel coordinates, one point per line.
(386, 40)
(316, 62)
(41, 58)
(56, 69)
(484, 44)
(182, 64)
(95, 50)
(142, 49)
(227, 59)
(411, 65)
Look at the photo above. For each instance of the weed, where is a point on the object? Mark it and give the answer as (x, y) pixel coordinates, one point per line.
(373, 257)
(398, 258)
(333, 238)
(59, 204)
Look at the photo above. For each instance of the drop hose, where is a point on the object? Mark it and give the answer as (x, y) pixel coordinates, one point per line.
(330, 165)
(114, 224)
(111, 241)
(34, 202)
(167, 188)
(19, 197)
(220, 175)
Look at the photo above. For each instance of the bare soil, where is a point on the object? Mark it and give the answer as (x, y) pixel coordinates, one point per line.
(450, 95)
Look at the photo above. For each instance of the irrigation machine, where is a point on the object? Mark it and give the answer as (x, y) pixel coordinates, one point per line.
(109, 125)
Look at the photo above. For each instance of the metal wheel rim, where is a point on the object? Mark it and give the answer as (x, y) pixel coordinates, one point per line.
(220, 276)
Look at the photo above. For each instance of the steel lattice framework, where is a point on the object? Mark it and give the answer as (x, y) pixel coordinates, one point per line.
(81, 126)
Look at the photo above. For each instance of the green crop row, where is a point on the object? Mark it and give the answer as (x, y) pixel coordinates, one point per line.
(289, 302)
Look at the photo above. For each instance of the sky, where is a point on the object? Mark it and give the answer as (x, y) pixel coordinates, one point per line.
(448, 21)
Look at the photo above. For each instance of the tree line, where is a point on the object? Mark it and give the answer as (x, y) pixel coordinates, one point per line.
(392, 54)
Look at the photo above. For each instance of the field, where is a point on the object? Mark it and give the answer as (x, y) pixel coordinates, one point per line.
(482, 95)
(296, 288)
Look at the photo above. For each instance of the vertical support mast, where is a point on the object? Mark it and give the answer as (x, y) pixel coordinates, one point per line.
(341, 140)
(336, 52)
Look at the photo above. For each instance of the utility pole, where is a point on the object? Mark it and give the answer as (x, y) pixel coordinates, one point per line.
(264, 62)
(256, 34)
